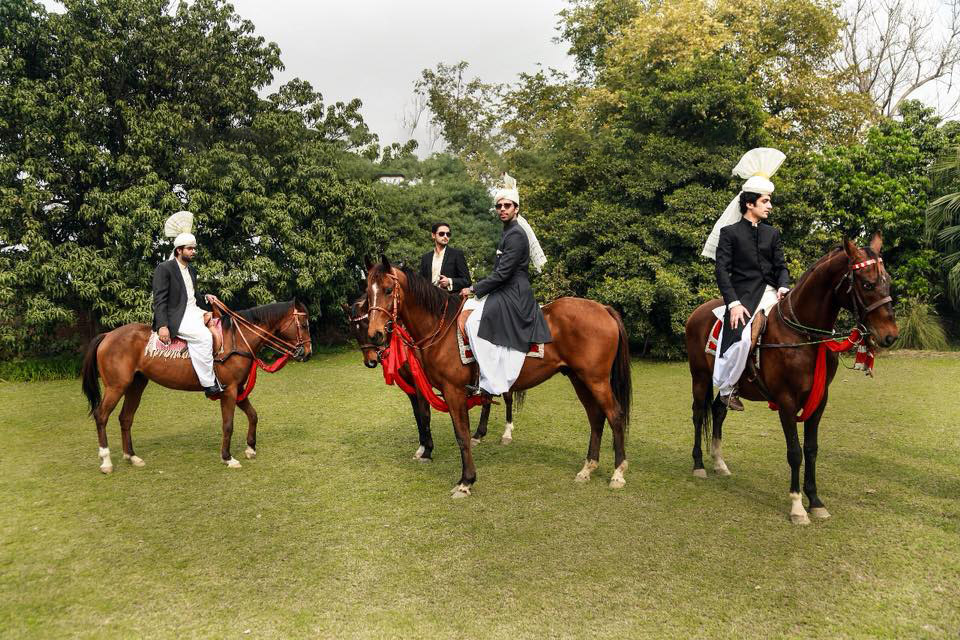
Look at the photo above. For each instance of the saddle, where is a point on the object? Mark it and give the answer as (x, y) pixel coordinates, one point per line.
(178, 348)
(463, 343)
(757, 329)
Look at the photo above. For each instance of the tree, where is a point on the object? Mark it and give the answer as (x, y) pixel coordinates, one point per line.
(117, 113)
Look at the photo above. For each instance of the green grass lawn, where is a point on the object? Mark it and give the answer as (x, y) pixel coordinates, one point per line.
(334, 531)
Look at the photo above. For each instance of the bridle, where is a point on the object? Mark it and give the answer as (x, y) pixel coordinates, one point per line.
(435, 336)
(363, 346)
(295, 351)
(860, 309)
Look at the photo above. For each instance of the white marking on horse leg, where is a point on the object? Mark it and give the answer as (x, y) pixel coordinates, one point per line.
(475, 442)
(617, 481)
(460, 491)
(507, 436)
(420, 451)
(232, 463)
(250, 452)
(136, 461)
(106, 464)
(716, 448)
(588, 467)
(699, 473)
(798, 515)
(820, 512)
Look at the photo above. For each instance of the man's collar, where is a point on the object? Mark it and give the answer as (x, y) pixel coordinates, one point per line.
(507, 225)
(435, 252)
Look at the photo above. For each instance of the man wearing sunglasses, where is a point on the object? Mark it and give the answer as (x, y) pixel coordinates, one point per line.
(445, 266)
(506, 318)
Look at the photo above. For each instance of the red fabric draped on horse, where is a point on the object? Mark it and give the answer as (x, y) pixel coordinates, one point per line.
(849, 277)
(589, 346)
(358, 317)
(120, 359)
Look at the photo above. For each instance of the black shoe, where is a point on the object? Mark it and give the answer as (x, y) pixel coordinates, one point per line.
(215, 390)
(477, 390)
(733, 402)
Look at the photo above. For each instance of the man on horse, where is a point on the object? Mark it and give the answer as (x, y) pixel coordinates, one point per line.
(445, 266)
(750, 268)
(506, 318)
(179, 311)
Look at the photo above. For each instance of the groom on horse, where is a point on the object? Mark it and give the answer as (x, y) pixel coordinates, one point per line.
(179, 311)
(506, 318)
(750, 268)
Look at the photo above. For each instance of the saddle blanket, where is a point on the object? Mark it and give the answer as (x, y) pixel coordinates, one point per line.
(156, 349)
(713, 338)
(466, 355)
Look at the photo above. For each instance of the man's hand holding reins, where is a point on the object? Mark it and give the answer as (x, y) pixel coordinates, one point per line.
(466, 292)
(164, 334)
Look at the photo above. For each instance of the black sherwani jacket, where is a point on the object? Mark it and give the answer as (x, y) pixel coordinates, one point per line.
(454, 266)
(748, 259)
(511, 316)
(170, 296)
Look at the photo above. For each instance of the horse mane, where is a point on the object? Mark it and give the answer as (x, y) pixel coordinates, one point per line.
(433, 299)
(819, 263)
(263, 314)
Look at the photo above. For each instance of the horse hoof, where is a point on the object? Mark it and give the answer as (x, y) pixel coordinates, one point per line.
(422, 459)
(799, 518)
(250, 452)
(506, 440)
(460, 491)
(720, 471)
(232, 463)
(475, 441)
(582, 477)
(106, 470)
(618, 483)
(699, 473)
(136, 461)
(820, 512)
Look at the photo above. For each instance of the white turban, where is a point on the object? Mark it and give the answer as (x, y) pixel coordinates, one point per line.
(757, 166)
(508, 190)
(179, 226)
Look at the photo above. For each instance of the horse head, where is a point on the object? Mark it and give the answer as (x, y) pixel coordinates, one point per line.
(295, 330)
(358, 317)
(868, 286)
(384, 297)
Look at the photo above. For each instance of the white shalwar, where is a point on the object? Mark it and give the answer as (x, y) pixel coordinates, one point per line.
(196, 335)
(728, 368)
(499, 366)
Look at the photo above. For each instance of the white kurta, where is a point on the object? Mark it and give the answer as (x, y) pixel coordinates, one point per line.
(196, 334)
(499, 366)
(728, 368)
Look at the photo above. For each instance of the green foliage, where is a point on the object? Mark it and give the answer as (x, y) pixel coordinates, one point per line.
(117, 113)
(64, 367)
(920, 326)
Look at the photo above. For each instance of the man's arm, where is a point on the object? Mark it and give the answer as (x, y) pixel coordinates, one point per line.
(161, 293)
(779, 263)
(461, 273)
(426, 268)
(723, 265)
(515, 251)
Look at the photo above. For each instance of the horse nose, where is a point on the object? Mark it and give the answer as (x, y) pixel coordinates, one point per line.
(379, 338)
(889, 339)
(370, 364)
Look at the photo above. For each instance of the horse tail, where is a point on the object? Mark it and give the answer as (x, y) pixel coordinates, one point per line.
(91, 374)
(518, 398)
(620, 374)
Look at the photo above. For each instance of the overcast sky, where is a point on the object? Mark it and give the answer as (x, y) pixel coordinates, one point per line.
(375, 49)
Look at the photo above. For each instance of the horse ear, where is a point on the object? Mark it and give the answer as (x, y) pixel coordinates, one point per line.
(850, 247)
(385, 262)
(346, 308)
(368, 262)
(876, 242)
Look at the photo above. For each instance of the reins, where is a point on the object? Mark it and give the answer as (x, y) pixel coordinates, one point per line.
(438, 334)
(276, 343)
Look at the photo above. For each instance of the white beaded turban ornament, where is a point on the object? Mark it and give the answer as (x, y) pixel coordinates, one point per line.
(757, 166)
(507, 189)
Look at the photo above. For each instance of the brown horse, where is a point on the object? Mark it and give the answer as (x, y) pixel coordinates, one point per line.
(358, 318)
(119, 358)
(589, 346)
(849, 278)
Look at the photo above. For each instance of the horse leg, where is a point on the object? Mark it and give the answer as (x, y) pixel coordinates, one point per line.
(111, 396)
(595, 417)
(718, 412)
(228, 405)
(457, 402)
(251, 451)
(810, 429)
(788, 419)
(131, 400)
(421, 413)
(702, 416)
(603, 392)
(507, 436)
(481, 431)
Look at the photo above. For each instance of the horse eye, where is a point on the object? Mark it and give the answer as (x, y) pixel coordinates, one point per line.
(389, 290)
(868, 286)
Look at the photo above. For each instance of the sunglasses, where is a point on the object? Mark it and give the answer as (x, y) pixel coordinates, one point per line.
(444, 234)
(503, 205)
